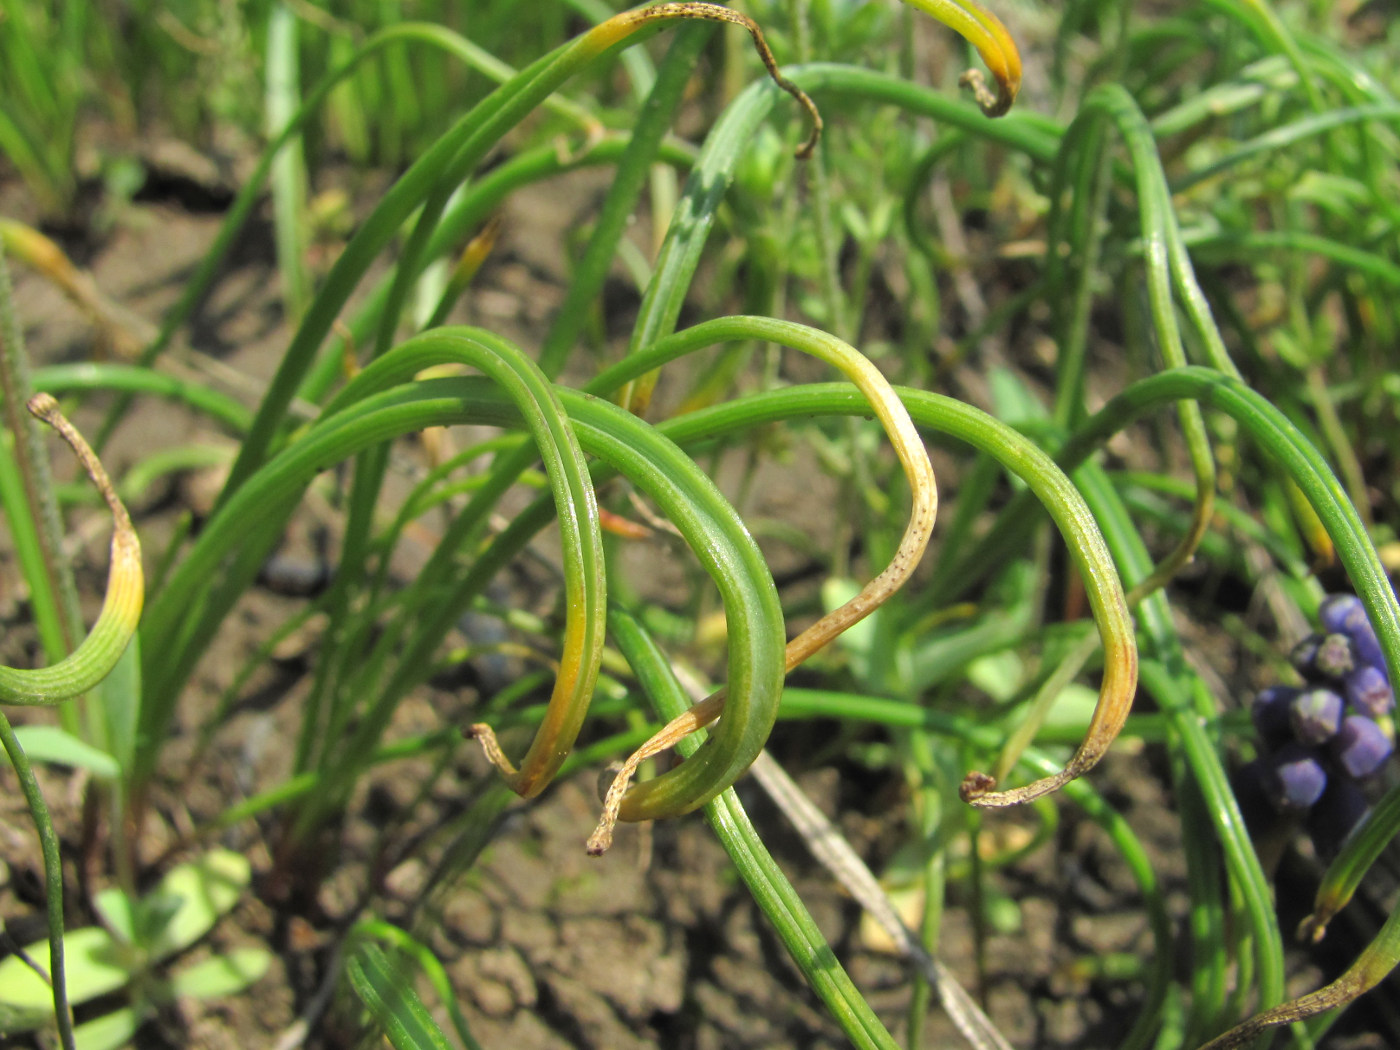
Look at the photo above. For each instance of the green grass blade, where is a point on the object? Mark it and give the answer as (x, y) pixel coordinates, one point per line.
(134, 379)
(289, 167)
(771, 889)
(612, 218)
(386, 989)
(428, 963)
(53, 877)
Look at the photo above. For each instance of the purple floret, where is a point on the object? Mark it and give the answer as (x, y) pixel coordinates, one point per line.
(1338, 611)
(1270, 714)
(1304, 654)
(1361, 747)
(1335, 816)
(1335, 656)
(1344, 614)
(1316, 715)
(1294, 778)
(1369, 693)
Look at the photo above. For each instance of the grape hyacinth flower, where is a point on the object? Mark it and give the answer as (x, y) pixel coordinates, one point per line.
(1304, 655)
(1270, 713)
(1368, 692)
(1344, 614)
(1361, 747)
(1294, 778)
(1316, 715)
(1335, 656)
(1335, 816)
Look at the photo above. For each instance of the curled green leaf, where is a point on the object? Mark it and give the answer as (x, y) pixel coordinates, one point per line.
(626, 802)
(585, 594)
(94, 659)
(1047, 481)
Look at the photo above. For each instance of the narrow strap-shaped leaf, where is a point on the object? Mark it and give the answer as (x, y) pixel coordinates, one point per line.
(387, 992)
(1306, 467)
(53, 877)
(432, 968)
(1362, 848)
(729, 140)
(112, 375)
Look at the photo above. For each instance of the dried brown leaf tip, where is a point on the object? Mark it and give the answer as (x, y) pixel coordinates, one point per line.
(984, 31)
(718, 13)
(1116, 692)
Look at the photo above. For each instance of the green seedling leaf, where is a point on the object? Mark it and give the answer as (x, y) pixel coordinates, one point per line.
(857, 641)
(1003, 914)
(110, 1031)
(226, 974)
(205, 889)
(23, 1018)
(54, 745)
(1073, 707)
(118, 912)
(999, 674)
(854, 220)
(1012, 400)
(96, 965)
(761, 167)
(119, 696)
(153, 913)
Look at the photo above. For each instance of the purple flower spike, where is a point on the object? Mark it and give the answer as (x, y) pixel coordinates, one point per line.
(1344, 614)
(1369, 693)
(1293, 778)
(1361, 746)
(1316, 715)
(1270, 713)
